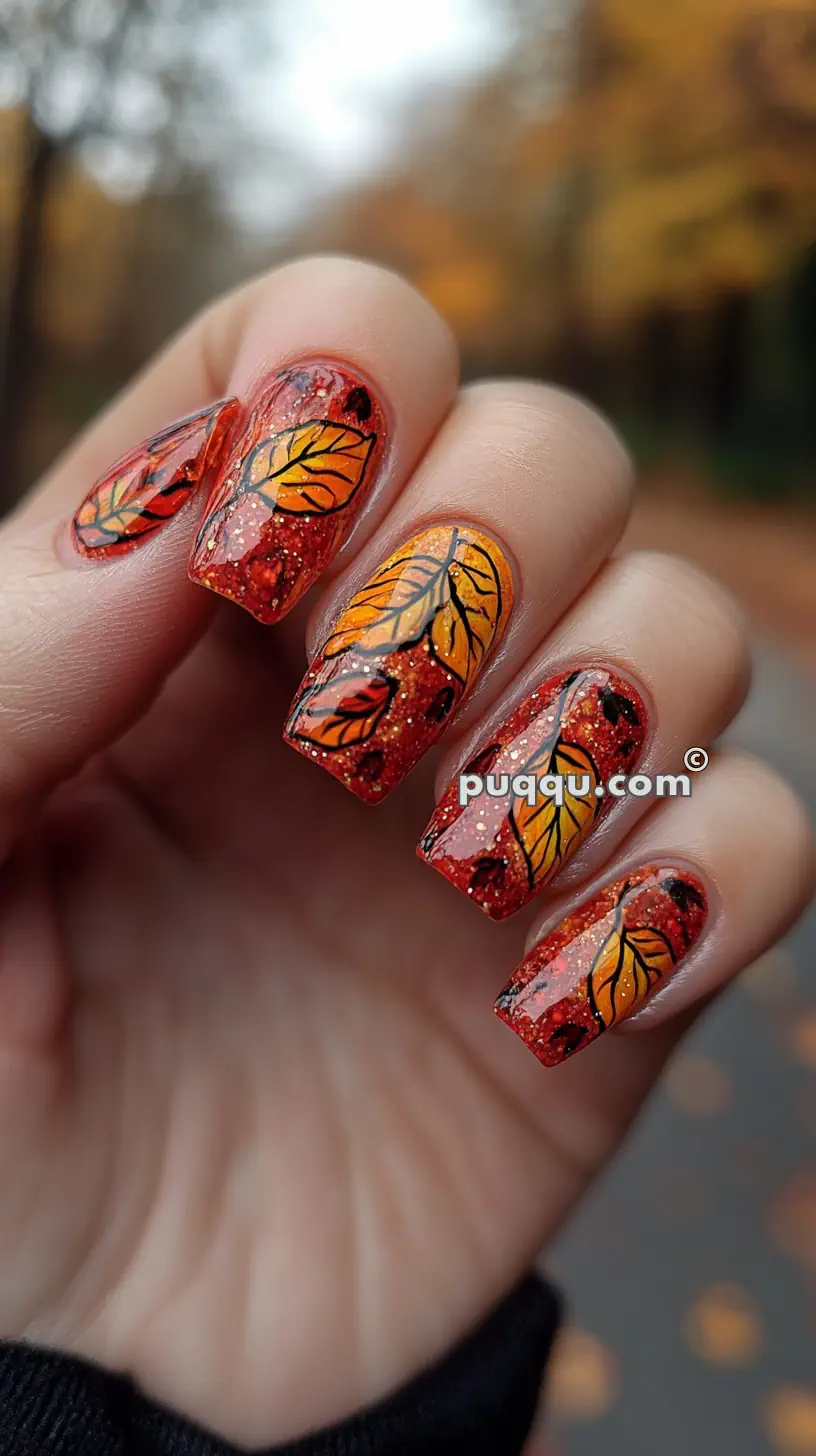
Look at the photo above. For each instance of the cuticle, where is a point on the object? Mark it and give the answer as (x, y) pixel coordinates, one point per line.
(530, 684)
(636, 862)
(334, 361)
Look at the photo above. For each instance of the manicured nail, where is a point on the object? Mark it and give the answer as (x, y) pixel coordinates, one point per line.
(290, 488)
(149, 485)
(401, 657)
(602, 962)
(583, 727)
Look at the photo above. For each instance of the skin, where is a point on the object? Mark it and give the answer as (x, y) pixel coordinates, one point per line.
(257, 1119)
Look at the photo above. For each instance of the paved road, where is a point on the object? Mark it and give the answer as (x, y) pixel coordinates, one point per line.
(692, 1271)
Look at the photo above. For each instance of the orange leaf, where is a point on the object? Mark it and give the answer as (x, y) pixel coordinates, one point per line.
(627, 966)
(312, 469)
(550, 832)
(343, 712)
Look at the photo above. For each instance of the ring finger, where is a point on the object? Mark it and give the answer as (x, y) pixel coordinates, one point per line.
(651, 661)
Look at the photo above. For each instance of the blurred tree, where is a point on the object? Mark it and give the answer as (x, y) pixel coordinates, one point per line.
(118, 84)
(617, 203)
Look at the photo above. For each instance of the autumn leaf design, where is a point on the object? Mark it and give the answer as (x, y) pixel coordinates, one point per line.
(312, 469)
(114, 511)
(343, 712)
(147, 487)
(548, 832)
(628, 965)
(462, 630)
(453, 594)
(393, 609)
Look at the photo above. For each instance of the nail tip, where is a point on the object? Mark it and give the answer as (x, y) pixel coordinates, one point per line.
(492, 909)
(266, 618)
(369, 796)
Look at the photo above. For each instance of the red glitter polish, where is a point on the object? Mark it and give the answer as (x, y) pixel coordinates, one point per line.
(290, 488)
(403, 654)
(589, 723)
(149, 485)
(603, 961)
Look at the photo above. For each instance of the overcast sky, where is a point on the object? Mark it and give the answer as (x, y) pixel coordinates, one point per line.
(341, 74)
(313, 93)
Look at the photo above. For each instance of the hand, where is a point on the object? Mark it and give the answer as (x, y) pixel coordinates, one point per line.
(263, 1143)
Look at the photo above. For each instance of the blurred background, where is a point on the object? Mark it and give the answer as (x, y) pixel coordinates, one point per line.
(620, 195)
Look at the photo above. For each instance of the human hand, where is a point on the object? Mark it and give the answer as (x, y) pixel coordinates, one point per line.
(263, 1143)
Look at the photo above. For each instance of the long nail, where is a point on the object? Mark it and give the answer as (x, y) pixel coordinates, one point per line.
(582, 727)
(149, 485)
(602, 962)
(290, 488)
(401, 657)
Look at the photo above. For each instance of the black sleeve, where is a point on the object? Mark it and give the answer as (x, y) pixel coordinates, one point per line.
(479, 1400)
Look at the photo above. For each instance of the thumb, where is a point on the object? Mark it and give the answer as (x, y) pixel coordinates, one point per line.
(85, 647)
(83, 651)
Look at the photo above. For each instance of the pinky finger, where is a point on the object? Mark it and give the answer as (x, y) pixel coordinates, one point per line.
(703, 887)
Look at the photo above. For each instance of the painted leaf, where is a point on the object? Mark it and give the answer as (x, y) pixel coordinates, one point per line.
(549, 832)
(343, 712)
(396, 606)
(133, 504)
(312, 469)
(113, 511)
(462, 630)
(628, 965)
(151, 484)
(453, 594)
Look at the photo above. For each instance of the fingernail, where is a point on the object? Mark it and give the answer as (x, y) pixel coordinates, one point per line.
(602, 962)
(408, 647)
(290, 488)
(500, 849)
(149, 485)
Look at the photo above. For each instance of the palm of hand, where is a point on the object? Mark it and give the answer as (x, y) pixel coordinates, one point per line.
(276, 1127)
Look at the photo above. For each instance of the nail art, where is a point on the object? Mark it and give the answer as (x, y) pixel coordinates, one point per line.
(290, 488)
(149, 485)
(401, 657)
(602, 962)
(498, 849)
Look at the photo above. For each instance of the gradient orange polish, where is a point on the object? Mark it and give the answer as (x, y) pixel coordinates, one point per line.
(151, 484)
(588, 723)
(291, 487)
(604, 960)
(401, 657)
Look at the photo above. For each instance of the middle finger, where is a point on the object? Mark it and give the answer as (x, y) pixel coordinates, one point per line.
(517, 503)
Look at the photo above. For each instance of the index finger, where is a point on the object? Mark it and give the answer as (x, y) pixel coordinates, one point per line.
(83, 651)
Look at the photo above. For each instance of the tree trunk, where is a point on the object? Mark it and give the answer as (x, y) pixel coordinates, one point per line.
(729, 353)
(19, 344)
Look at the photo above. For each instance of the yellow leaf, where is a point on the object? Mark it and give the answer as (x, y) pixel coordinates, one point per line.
(452, 591)
(394, 608)
(463, 628)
